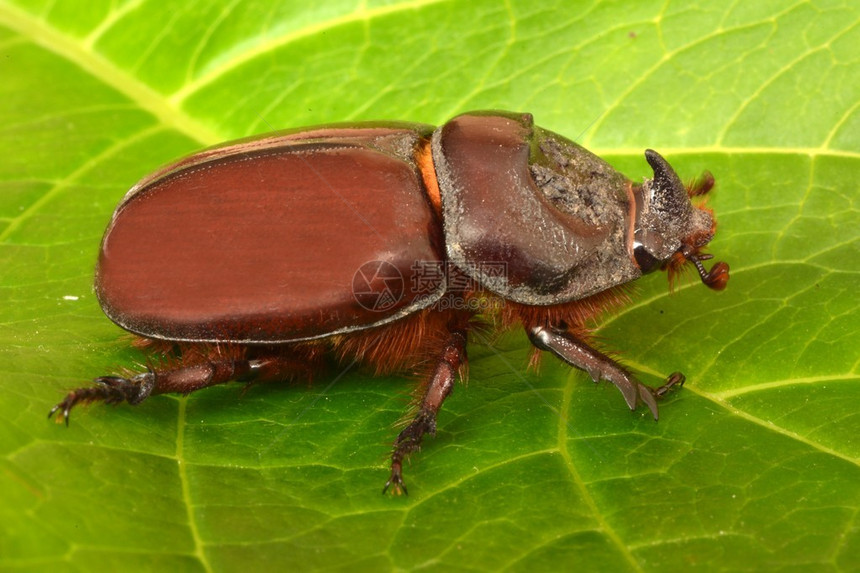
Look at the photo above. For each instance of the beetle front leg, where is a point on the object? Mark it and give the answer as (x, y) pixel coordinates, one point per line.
(452, 358)
(601, 367)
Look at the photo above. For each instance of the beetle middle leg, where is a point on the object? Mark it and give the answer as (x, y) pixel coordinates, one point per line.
(181, 379)
(450, 361)
(599, 366)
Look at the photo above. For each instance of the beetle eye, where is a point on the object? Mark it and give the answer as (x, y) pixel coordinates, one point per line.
(644, 260)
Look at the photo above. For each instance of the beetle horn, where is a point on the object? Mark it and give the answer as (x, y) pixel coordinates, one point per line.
(668, 194)
(671, 202)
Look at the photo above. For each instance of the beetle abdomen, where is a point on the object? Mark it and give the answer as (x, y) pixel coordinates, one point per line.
(263, 246)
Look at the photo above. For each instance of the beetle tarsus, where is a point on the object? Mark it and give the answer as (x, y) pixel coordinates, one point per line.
(395, 482)
(675, 379)
(107, 389)
(408, 441)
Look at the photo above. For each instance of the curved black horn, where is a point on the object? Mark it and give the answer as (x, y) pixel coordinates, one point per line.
(668, 193)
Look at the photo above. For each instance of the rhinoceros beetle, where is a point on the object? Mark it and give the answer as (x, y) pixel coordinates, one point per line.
(385, 243)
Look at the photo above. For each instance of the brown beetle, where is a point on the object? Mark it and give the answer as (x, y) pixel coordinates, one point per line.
(385, 243)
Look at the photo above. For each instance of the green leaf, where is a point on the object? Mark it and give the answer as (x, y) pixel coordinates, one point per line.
(753, 464)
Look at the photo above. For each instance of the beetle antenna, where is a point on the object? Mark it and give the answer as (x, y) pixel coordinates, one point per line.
(717, 277)
(701, 185)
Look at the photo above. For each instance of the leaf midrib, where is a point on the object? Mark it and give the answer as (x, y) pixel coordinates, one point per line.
(74, 51)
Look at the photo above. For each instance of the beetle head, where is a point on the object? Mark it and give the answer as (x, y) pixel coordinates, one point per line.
(669, 230)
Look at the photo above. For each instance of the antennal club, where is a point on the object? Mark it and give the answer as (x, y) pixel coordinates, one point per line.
(717, 277)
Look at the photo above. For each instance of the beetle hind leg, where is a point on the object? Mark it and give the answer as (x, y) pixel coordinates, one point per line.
(599, 366)
(182, 380)
(449, 364)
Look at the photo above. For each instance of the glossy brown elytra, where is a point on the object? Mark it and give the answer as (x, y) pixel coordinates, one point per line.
(385, 243)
